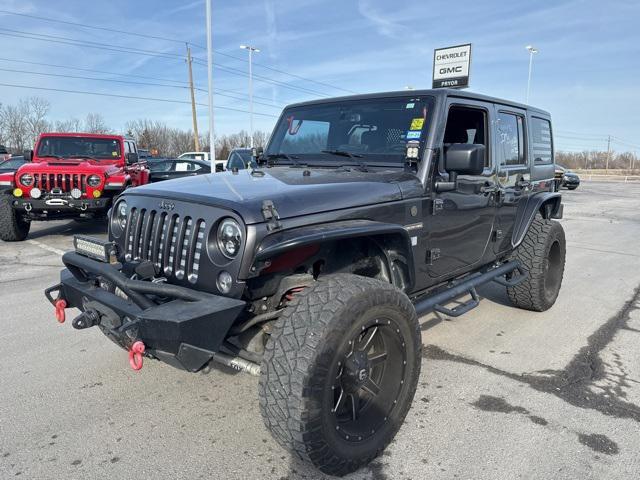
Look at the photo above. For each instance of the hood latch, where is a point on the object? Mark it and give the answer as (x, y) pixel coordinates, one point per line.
(270, 214)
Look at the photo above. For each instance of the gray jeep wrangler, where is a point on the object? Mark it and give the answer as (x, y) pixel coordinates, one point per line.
(312, 269)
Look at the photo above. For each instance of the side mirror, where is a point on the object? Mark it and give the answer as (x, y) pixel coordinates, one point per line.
(461, 159)
(132, 158)
(256, 153)
(28, 155)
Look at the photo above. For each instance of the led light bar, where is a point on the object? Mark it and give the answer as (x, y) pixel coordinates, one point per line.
(95, 248)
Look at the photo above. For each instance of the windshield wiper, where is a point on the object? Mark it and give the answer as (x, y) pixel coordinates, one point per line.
(292, 158)
(83, 156)
(50, 156)
(343, 153)
(355, 156)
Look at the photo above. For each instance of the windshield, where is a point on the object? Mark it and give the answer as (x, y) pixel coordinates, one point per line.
(371, 130)
(69, 147)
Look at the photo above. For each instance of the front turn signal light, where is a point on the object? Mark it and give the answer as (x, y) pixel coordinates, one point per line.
(17, 192)
(96, 194)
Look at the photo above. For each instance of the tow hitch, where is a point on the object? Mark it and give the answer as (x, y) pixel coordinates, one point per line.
(135, 355)
(60, 305)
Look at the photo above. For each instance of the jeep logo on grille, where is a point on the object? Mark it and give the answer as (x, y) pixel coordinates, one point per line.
(164, 205)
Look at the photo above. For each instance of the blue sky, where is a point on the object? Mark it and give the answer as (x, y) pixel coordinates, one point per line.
(585, 74)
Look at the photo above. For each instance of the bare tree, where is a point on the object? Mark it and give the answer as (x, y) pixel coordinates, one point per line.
(70, 125)
(95, 123)
(35, 110)
(15, 126)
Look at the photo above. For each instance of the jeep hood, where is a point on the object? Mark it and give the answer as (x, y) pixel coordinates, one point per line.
(69, 166)
(292, 192)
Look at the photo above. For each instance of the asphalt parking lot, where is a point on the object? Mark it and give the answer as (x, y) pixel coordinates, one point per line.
(503, 394)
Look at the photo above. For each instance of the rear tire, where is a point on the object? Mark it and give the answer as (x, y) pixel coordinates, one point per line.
(340, 371)
(573, 187)
(13, 228)
(542, 254)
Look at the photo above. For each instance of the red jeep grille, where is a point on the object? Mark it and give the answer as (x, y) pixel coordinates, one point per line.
(65, 182)
(173, 243)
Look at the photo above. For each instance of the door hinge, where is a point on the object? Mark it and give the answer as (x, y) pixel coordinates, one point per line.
(498, 235)
(438, 204)
(433, 255)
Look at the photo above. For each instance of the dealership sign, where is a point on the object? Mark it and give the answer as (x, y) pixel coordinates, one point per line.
(451, 66)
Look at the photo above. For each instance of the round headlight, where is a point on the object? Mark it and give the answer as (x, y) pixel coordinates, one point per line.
(35, 193)
(229, 237)
(26, 179)
(93, 181)
(119, 219)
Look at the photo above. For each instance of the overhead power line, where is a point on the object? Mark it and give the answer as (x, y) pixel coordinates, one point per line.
(126, 75)
(174, 40)
(134, 97)
(94, 27)
(152, 53)
(111, 80)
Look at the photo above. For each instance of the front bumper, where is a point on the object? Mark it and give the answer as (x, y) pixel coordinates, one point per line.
(185, 329)
(60, 205)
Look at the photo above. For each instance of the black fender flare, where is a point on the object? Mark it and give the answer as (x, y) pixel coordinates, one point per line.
(549, 204)
(280, 242)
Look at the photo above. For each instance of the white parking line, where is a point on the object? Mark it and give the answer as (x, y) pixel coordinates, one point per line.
(57, 251)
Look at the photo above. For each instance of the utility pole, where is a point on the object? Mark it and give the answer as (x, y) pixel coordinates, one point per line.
(196, 135)
(212, 145)
(608, 152)
(251, 50)
(532, 51)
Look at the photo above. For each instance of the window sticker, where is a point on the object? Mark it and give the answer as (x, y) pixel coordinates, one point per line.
(415, 135)
(114, 154)
(417, 123)
(410, 105)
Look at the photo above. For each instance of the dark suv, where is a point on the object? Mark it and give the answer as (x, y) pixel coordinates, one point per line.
(311, 270)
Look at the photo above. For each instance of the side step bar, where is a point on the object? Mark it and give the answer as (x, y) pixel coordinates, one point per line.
(437, 301)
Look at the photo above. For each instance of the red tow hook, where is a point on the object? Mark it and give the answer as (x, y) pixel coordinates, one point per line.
(135, 355)
(60, 306)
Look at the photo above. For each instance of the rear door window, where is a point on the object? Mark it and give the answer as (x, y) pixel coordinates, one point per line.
(541, 141)
(510, 130)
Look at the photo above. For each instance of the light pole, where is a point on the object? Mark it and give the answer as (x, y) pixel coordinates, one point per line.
(212, 146)
(251, 50)
(532, 51)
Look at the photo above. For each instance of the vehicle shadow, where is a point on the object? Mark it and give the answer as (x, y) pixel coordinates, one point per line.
(72, 227)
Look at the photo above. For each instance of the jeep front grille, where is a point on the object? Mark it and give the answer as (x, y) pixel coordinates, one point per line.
(63, 182)
(173, 243)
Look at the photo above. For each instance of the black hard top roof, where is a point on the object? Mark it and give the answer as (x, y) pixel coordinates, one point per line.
(439, 92)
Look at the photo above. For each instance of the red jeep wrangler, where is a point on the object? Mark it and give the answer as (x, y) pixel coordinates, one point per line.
(71, 175)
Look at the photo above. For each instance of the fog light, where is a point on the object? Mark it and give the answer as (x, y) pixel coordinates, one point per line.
(224, 282)
(96, 194)
(76, 193)
(35, 193)
(17, 192)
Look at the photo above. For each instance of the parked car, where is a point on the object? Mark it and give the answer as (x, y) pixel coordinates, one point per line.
(170, 168)
(566, 178)
(11, 164)
(144, 154)
(240, 159)
(220, 164)
(4, 153)
(69, 175)
(314, 278)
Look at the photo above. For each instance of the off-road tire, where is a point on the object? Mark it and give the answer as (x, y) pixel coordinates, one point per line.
(304, 347)
(12, 227)
(542, 254)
